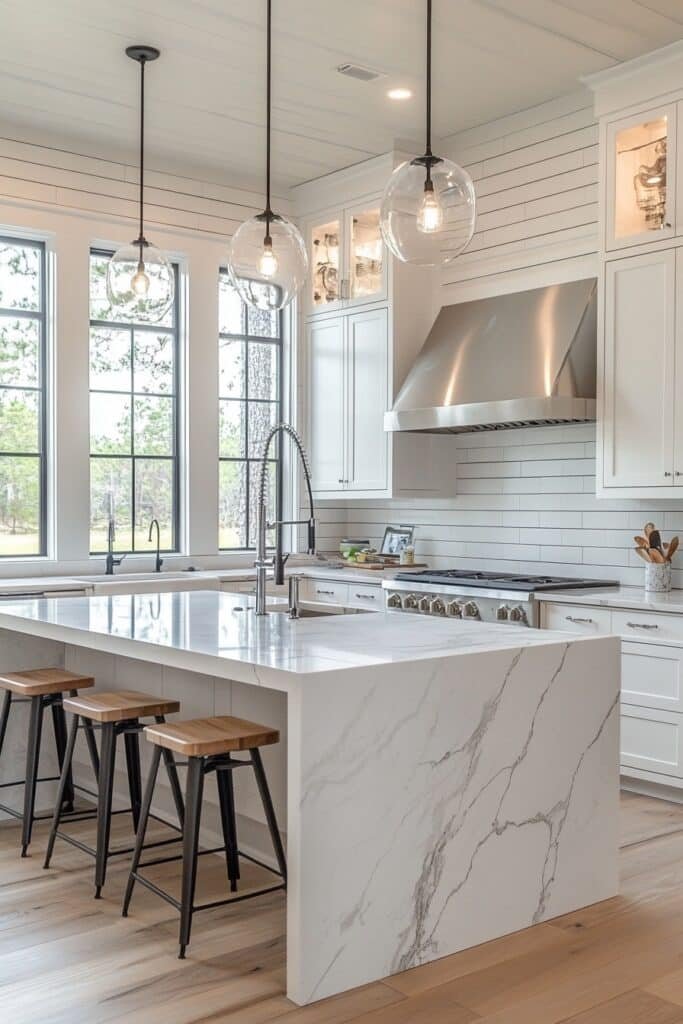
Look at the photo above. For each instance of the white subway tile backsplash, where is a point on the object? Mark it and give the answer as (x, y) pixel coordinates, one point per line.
(543, 519)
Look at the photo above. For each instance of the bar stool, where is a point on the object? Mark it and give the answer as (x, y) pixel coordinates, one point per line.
(116, 714)
(208, 744)
(42, 688)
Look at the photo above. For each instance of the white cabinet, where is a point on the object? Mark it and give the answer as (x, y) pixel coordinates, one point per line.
(327, 405)
(651, 683)
(364, 317)
(639, 371)
(367, 362)
(347, 396)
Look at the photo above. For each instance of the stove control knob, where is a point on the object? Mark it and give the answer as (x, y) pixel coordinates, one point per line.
(394, 601)
(410, 602)
(437, 607)
(471, 610)
(502, 612)
(517, 614)
(425, 604)
(455, 609)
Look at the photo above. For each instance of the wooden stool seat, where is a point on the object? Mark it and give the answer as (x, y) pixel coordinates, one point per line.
(39, 682)
(203, 737)
(119, 706)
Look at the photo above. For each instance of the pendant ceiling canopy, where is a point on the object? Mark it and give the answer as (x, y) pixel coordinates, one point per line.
(428, 207)
(267, 257)
(140, 278)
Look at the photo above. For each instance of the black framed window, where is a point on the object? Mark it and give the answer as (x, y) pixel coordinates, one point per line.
(134, 435)
(23, 399)
(250, 397)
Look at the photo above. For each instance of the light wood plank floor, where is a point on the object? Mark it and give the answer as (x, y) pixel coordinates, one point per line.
(65, 957)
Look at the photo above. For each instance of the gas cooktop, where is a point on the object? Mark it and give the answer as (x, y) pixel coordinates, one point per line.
(499, 581)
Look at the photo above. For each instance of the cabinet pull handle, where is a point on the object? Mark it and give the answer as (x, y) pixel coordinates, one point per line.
(575, 618)
(642, 625)
(340, 481)
(668, 474)
(366, 597)
(678, 473)
(327, 593)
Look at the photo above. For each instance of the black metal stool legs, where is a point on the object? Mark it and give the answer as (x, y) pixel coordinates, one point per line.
(59, 729)
(226, 799)
(266, 800)
(4, 715)
(61, 789)
(172, 772)
(132, 747)
(104, 800)
(193, 811)
(142, 827)
(35, 730)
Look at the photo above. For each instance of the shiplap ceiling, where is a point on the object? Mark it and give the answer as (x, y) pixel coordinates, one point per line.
(65, 80)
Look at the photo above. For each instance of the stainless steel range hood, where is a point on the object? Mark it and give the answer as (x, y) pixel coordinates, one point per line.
(514, 360)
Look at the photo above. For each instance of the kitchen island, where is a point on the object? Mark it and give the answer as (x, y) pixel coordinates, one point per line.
(442, 782)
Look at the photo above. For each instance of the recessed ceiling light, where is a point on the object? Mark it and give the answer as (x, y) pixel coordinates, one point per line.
(399, 94)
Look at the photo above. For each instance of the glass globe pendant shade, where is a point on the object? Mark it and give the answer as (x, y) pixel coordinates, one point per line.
(141, 289)
(267, 268)
(426, 225)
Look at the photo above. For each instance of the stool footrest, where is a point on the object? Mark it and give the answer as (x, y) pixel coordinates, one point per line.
(22, 782)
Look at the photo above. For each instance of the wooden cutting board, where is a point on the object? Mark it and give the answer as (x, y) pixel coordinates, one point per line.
(378, 567)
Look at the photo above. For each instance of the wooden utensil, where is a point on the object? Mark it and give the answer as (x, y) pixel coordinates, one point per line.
(641, 542)
(657, 556)
(655, 539)
(648, 528)
(672, 548)
(644, 554)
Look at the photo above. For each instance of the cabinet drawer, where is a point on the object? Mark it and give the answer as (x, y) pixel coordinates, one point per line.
(364, 595)
(651, 626)
(651, 740)
(576, 618)
(651, 676)
(325, 591)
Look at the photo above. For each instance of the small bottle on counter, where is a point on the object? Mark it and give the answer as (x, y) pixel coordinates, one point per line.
(407, 556)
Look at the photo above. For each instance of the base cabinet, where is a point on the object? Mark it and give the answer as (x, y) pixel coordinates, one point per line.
(651, 683)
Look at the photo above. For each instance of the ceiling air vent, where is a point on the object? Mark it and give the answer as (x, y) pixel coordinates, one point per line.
(359, 72)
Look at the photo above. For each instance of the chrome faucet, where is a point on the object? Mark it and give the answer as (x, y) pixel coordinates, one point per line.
(110, 561)
(277, 562)
(159, 560)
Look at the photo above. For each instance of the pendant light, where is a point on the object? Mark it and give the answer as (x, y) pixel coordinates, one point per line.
(140, 278)
(267, 257)
(428, 207)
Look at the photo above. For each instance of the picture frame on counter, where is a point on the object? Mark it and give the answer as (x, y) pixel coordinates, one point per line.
(396, 539)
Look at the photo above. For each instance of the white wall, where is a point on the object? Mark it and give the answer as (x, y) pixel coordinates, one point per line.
(526, 498)
(74, 201)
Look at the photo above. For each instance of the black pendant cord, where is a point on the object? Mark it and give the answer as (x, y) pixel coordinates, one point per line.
(141, 235)
(268, 212)
(428, 147)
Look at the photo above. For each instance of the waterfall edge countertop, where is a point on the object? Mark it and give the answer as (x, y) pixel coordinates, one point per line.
(447, 782)
(219, 632)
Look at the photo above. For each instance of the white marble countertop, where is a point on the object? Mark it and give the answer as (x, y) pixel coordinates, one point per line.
(215, 632)
(26, 584)
(617, 597)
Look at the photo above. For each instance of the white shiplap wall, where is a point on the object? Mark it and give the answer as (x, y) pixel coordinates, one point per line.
(526, 498)
(526, 503)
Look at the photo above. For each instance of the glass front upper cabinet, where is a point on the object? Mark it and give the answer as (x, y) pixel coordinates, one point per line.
(641, 154)
(348, 265)
(326, 260)
(367, 262)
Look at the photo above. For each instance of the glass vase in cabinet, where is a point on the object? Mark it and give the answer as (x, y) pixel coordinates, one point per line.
(641, 178)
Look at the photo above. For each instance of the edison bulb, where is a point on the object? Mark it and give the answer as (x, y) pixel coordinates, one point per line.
(413, 229)
(139, 282)
(268, 263)
(140, 289)
(263, 279)
(430, 214)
